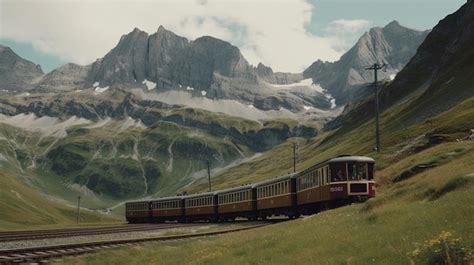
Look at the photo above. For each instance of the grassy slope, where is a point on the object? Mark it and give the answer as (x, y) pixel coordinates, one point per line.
(381, 231)
(23, 207)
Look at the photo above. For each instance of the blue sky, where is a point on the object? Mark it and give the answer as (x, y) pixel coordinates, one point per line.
(323, 34)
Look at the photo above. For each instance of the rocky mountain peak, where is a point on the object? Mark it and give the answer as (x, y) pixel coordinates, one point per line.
(263, 70)
(16, 72)
(393, 44)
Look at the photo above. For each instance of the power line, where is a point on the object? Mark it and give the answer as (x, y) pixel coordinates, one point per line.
(376, 67)
(209, 174)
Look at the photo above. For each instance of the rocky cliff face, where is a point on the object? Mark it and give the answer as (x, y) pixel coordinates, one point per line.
(123, 64)
(16, 73)
(393, 45)
(163, 48)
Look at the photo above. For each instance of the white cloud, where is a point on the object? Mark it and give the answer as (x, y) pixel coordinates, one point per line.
(344, 32)
(349, 24)
(271, 31)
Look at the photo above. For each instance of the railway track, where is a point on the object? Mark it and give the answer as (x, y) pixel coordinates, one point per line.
(57, 233)
(46, 253)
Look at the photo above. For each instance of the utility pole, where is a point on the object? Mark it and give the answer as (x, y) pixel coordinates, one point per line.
(209, 174)
(78, 208)
(295, 146)
(376, 67)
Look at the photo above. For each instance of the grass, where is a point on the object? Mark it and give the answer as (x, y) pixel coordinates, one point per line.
(24, 207)
(382, 231)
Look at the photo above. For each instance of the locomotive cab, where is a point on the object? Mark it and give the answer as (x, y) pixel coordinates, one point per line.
(352, 177)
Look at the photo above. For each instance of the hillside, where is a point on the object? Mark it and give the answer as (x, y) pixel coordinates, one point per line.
(121, 147)
(386, 230)
(23, 207)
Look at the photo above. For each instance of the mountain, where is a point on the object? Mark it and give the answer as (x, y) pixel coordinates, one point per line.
(346, 78)
(205, 67)
(65, 77)
(439, 76)
(16, 72)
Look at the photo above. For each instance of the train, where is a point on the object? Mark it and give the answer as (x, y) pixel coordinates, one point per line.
(332, 183)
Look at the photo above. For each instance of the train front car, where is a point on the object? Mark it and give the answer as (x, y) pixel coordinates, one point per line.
(335, 182)
(351, 179)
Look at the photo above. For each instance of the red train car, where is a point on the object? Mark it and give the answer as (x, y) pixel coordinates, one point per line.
(167, 209)
(277, 196)
(236, 202)
(138, 212)
(201, 206)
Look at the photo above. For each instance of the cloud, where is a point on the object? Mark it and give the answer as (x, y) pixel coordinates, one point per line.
(349, 24)
(344, 32)
(270, 31)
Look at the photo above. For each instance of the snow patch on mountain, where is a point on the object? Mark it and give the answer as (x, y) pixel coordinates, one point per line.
(232, 107)
(303, 83)
(100, 90)
(149, 84)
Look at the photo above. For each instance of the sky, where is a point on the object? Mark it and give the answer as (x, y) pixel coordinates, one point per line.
(287, 35)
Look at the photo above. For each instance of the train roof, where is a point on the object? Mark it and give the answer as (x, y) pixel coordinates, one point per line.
(134, 202)
(197, 195)
(243, 187)
(351, 158)
(275, 180)
(170, 198)
(343, 158)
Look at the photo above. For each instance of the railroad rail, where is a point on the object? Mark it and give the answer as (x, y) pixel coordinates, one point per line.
(57, 233)
(43, 254)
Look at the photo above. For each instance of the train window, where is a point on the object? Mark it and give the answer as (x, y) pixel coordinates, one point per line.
(352, 171)
(326, 175)
(362, 170)
(370, 167)
(338, 172)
